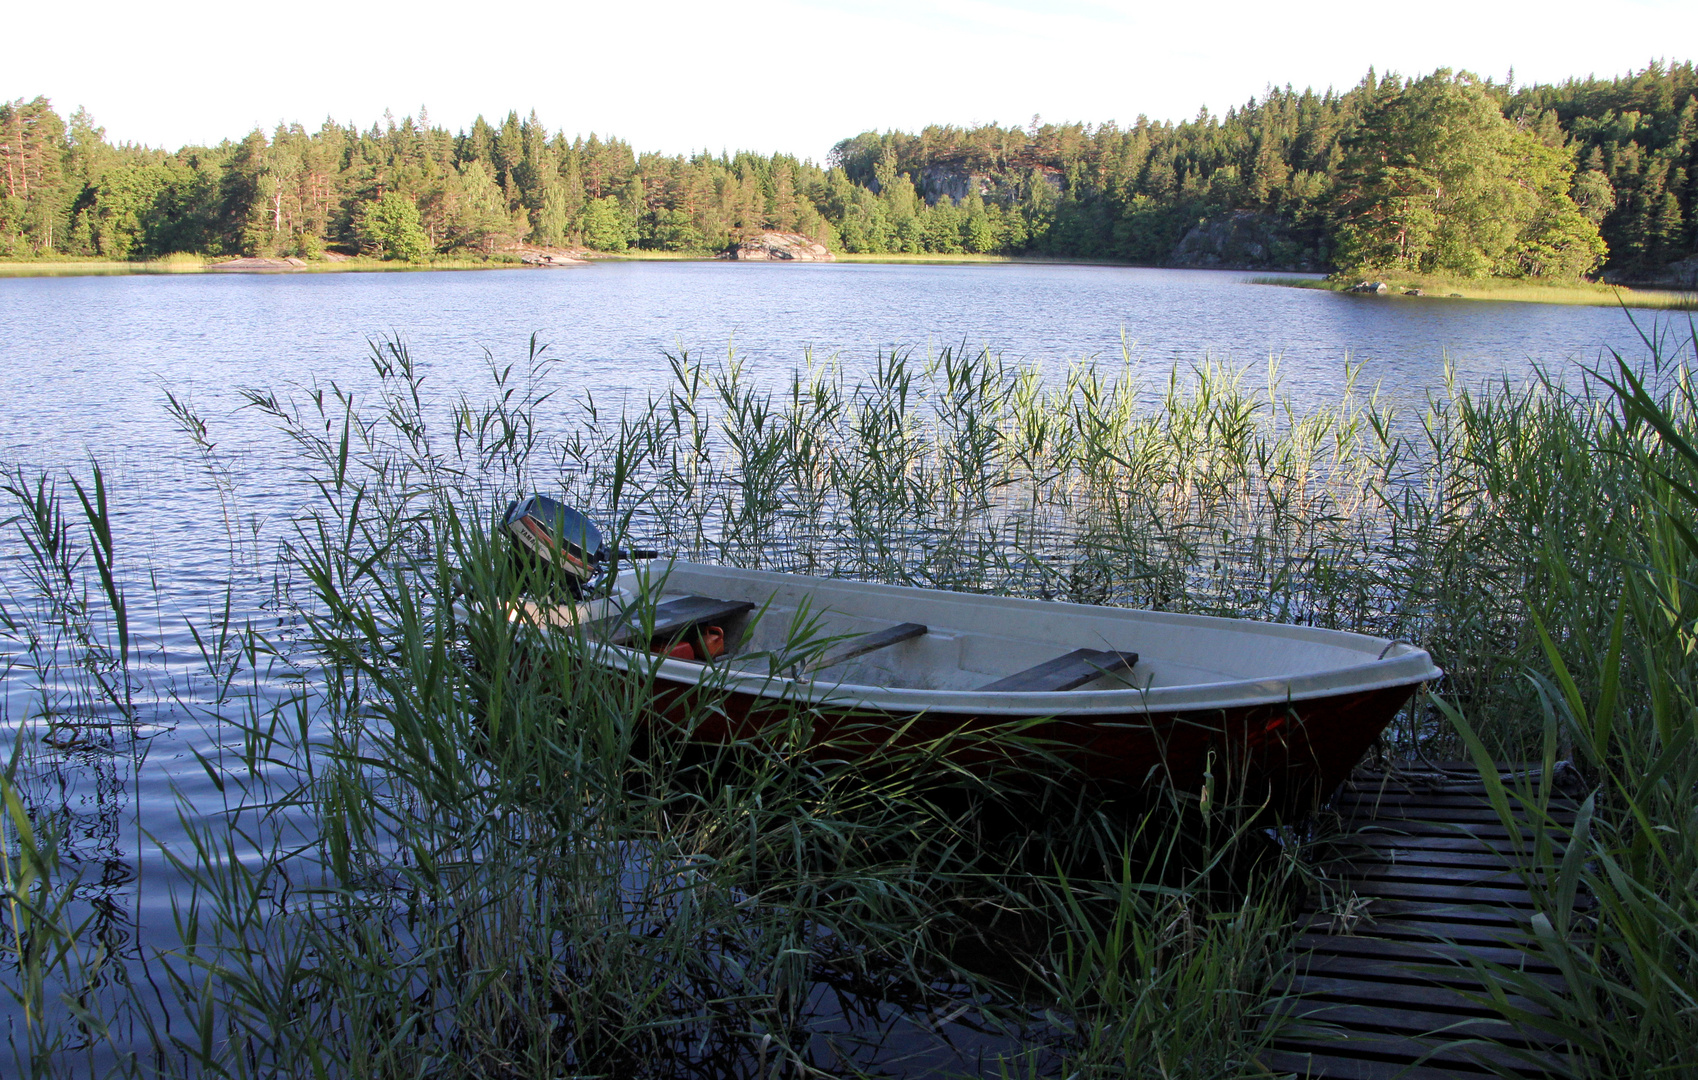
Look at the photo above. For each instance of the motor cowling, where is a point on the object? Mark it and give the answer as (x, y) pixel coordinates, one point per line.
(557, 536)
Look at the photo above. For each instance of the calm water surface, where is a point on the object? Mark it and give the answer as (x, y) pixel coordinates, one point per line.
(87, 356)
(85, 363)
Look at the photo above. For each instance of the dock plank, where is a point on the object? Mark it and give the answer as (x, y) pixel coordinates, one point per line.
(1427, 881)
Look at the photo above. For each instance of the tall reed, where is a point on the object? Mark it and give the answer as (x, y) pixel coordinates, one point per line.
(446, 848)
(1618, 915)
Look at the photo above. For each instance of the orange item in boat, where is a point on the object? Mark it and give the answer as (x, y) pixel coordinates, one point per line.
(681, 651)
(713, 641)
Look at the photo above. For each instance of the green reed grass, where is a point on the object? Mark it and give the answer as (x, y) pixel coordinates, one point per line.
(1624, 711)
(457, 850)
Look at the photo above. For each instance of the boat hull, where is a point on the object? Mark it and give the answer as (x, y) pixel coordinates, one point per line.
(1289, 756)
(1245, 710)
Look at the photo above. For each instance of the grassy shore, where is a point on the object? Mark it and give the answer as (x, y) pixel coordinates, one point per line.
(1586, 293)
(923, 257)
(196, 264)
(94, 267)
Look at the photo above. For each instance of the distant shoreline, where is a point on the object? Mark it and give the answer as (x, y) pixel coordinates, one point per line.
(183, 265)
(1536, 292)
(1404, 288)
(118, 267)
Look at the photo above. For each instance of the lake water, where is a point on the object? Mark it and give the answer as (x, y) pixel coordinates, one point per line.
(85, 364)
(83, 360)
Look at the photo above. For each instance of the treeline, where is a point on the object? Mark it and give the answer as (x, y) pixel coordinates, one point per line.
(1446, 173)
(1442, 174)
(399, 189)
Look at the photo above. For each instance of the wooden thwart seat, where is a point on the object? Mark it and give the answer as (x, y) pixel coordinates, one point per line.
(677, 617)
(845, 651)
(1066, 672)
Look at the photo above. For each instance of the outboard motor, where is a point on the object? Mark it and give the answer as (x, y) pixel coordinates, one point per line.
(559, 537)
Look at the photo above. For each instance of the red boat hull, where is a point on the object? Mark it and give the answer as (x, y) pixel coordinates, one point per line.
(1292, 754)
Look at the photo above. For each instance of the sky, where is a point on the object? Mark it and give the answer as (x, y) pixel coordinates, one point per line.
(775, 75)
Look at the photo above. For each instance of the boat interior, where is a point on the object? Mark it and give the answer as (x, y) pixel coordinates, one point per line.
(833, 632)
(830, 646)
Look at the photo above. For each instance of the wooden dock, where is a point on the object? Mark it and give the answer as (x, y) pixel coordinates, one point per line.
(1382, 986)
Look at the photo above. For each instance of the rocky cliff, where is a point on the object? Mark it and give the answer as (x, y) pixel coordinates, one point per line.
(956, 182)
(777, 246)
(1246, 240)
(1676, 275)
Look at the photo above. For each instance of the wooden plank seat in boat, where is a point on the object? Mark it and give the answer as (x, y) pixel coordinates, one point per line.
(676, 618)
(844, 651)
(1065, 672)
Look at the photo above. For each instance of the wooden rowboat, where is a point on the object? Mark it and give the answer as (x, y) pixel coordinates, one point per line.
(1129, 697)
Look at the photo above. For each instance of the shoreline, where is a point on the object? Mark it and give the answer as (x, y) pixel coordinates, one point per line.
(1502, 290)
(122, 268)
(1428, 289)
(358, 265)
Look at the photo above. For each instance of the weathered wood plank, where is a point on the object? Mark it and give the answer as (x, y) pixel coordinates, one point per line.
(1438, 789)
(1391, 855)
(1065, 672)
(1412, 1022)
(1365, 969)
(1410, 952)
(678, 616)
(1453, 1052)
(1384, 908)
(1427, 814)
(845, 651)
(1485, 830)
(1459, 767)
(1424, 931)
(1503, 877)
(1440, 799)
(1335, 1066)
(1414, 995)
(1449, 792)
(1445, 892)
(1454, 842)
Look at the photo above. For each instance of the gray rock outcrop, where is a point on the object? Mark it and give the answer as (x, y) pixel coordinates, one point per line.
(1676, 275)
(1246, 240)
(780, 247)
(536, 255)
(257, 264)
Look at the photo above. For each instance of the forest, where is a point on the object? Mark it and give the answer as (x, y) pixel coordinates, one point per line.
(1446, 173)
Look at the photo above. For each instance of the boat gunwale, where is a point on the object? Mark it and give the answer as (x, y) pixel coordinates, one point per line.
(1398, 664)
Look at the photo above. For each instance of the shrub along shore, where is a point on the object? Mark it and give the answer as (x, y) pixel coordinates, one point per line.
(1434, 287)
(450, 849)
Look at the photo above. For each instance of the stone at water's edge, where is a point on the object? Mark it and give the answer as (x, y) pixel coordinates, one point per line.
(540, 255)
(776, 246)
(1676, 275)
(250, 264)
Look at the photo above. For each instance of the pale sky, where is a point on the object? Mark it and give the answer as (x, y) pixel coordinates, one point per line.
(769, 75)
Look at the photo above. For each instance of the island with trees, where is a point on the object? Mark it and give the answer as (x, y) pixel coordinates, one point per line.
(1445, 174)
